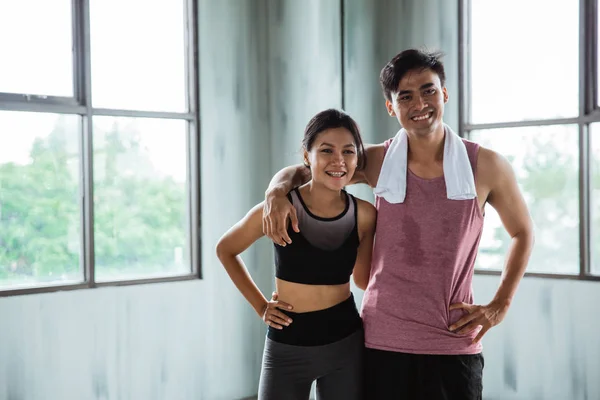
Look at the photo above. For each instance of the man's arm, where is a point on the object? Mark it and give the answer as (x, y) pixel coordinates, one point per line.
(374, 155)
(287, 179)
(277, 207)
(507, 200)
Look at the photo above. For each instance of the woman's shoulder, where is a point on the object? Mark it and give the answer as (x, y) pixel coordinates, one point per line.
(365, 209)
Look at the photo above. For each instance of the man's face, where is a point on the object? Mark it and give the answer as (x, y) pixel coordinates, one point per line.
(418, 104)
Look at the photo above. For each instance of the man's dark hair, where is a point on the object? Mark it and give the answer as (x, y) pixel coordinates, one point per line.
(408, 60)
(331, 119)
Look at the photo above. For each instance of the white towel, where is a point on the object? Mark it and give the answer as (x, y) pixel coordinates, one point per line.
(460, 183)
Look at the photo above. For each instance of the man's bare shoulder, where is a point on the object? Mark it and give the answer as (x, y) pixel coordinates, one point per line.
(375, 154)
(375, 150)
(492, 167)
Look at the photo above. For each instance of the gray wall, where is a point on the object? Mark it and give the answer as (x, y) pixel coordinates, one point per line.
(548, 347)
(142, 342)
(304, 70)
(235, 133)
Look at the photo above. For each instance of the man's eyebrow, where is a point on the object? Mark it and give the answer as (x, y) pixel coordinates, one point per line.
(424, 86)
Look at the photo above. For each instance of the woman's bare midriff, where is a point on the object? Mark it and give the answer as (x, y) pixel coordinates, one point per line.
(305, 298)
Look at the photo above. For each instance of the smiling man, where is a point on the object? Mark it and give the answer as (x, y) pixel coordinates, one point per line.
(422, 328)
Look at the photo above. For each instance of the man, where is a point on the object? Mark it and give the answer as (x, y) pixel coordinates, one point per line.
(422, 330)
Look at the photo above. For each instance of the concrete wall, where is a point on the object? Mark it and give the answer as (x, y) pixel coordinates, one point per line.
(235, 133)
(142, 342)
(548, 347)
(304, 70)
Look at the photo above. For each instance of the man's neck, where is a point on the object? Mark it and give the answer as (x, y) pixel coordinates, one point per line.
(427, 149)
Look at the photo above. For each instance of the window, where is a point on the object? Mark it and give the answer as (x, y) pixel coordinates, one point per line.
(546, 165)
(524, 97)
(99, 144)
(140, 218)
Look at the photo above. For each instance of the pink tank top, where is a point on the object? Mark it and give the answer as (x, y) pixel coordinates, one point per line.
(423, 261)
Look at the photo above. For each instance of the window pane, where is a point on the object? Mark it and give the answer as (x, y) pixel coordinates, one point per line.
(140, 203)
(138, 58)
(35, 44)
(515, 67)
(595, 203)
(40, 229)
(545, 161)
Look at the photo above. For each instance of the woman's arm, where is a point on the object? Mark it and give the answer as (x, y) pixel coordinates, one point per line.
(234, 242)
(367, 217)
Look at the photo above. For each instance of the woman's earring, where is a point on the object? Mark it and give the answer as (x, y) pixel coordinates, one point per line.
(306, 164)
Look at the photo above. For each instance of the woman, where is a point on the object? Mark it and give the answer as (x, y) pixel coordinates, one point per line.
(322, 339)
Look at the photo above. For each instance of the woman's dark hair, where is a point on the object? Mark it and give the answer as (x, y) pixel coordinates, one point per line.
(408, 60)
(331, 119)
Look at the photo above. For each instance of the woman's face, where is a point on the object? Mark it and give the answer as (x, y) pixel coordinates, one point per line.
(332, 158)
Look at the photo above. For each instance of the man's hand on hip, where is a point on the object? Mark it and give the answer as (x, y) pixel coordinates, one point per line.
(485, 317)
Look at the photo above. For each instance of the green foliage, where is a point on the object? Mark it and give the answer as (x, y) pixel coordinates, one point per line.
(549, 179)
(140, 219)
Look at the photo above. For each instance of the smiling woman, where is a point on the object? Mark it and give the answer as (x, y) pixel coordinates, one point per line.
(314, 330)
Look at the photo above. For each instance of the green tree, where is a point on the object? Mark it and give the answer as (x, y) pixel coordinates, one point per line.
(38, 203)
(548, 177)
(139, 219)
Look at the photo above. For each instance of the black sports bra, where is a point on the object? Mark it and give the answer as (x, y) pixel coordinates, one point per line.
(303, 262)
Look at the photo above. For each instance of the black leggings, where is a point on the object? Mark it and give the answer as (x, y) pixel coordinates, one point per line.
(326, 346)
(288, 371)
